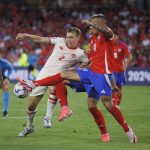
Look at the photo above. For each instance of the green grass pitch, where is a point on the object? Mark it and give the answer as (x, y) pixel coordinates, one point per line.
(79, 132)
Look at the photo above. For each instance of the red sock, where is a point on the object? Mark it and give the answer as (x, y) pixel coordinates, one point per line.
(99, 119)
(117, 114)
(116, 98)
(61, 93)
(119, 96)
(52, 80)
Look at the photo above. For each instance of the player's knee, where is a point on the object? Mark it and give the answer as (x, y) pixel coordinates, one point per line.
(107, 103)
(91, 109)
(91, 105)
(31, 108)
(63, 74)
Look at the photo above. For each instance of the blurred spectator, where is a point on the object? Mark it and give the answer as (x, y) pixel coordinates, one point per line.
(23, 60)
(132, 24)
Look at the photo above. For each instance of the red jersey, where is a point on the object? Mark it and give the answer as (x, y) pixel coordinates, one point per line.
(101, 54)
(121, 51)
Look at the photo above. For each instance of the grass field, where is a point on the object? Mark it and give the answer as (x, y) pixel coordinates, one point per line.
(78, 132)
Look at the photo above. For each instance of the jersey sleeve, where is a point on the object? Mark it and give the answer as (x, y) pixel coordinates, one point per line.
(55, 40)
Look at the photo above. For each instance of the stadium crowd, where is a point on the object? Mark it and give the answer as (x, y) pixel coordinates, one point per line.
(132, 24)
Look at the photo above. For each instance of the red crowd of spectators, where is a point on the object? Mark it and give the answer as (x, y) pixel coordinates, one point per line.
(132, 25)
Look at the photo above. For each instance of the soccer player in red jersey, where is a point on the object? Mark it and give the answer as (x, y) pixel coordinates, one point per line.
(99, 74)
(122, 56)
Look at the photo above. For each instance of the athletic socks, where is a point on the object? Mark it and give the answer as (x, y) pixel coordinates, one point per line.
(61, 92)
(53, 80)
(6, 101)
(117, 114)
(51, 103)
(30, 119)
(99, 119)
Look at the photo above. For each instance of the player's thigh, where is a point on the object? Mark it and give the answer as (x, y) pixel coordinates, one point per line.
(70, 75)
(92, 102)
(107, 102)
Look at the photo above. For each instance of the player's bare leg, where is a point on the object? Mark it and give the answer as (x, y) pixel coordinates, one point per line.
(99, 119)
(5, 96)
(117, 114)
(1, 79)
(32, 105)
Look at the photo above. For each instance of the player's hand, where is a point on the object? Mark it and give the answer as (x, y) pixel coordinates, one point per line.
(20, 36)
(87, 22)
(83, 65)
(116, 90)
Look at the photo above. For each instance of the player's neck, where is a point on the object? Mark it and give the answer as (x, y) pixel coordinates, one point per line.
(72, 47)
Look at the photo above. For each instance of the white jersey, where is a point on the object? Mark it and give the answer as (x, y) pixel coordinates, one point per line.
(61, 58)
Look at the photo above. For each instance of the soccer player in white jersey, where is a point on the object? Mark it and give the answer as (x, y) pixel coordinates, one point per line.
(66, 53)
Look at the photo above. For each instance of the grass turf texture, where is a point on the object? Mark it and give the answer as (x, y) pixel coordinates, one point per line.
(78, 132)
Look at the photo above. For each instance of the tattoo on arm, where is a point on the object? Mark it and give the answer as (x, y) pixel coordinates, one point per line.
(105, 30)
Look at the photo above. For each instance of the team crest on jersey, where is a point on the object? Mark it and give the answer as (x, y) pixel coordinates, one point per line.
(61, 47)
(119, 49)
(98, 38)
(73, 55)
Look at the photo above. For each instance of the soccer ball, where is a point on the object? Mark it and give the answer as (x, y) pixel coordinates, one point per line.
(20, 91)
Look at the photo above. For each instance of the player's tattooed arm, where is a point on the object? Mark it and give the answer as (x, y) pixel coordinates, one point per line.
(86, 64)
(104, 29)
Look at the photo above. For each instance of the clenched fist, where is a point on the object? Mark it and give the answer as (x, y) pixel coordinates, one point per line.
(21, 36)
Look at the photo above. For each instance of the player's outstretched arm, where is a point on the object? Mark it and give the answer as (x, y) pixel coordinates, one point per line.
(34, 38)
(102, 28)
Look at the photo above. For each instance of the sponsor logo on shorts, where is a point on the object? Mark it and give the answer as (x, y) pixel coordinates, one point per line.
(103, 92)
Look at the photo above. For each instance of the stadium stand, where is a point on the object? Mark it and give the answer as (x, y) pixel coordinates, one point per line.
(43, 18)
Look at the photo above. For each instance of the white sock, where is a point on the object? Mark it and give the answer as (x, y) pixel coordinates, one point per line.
(51, 103)
(30, 119)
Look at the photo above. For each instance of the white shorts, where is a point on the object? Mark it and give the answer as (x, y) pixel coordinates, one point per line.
(40, 90)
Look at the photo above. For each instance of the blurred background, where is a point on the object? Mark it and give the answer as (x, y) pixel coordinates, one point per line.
(130, 18)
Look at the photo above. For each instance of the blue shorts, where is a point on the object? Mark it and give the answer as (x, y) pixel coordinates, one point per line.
(119, 78)
(79, 87)
(101, 82)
